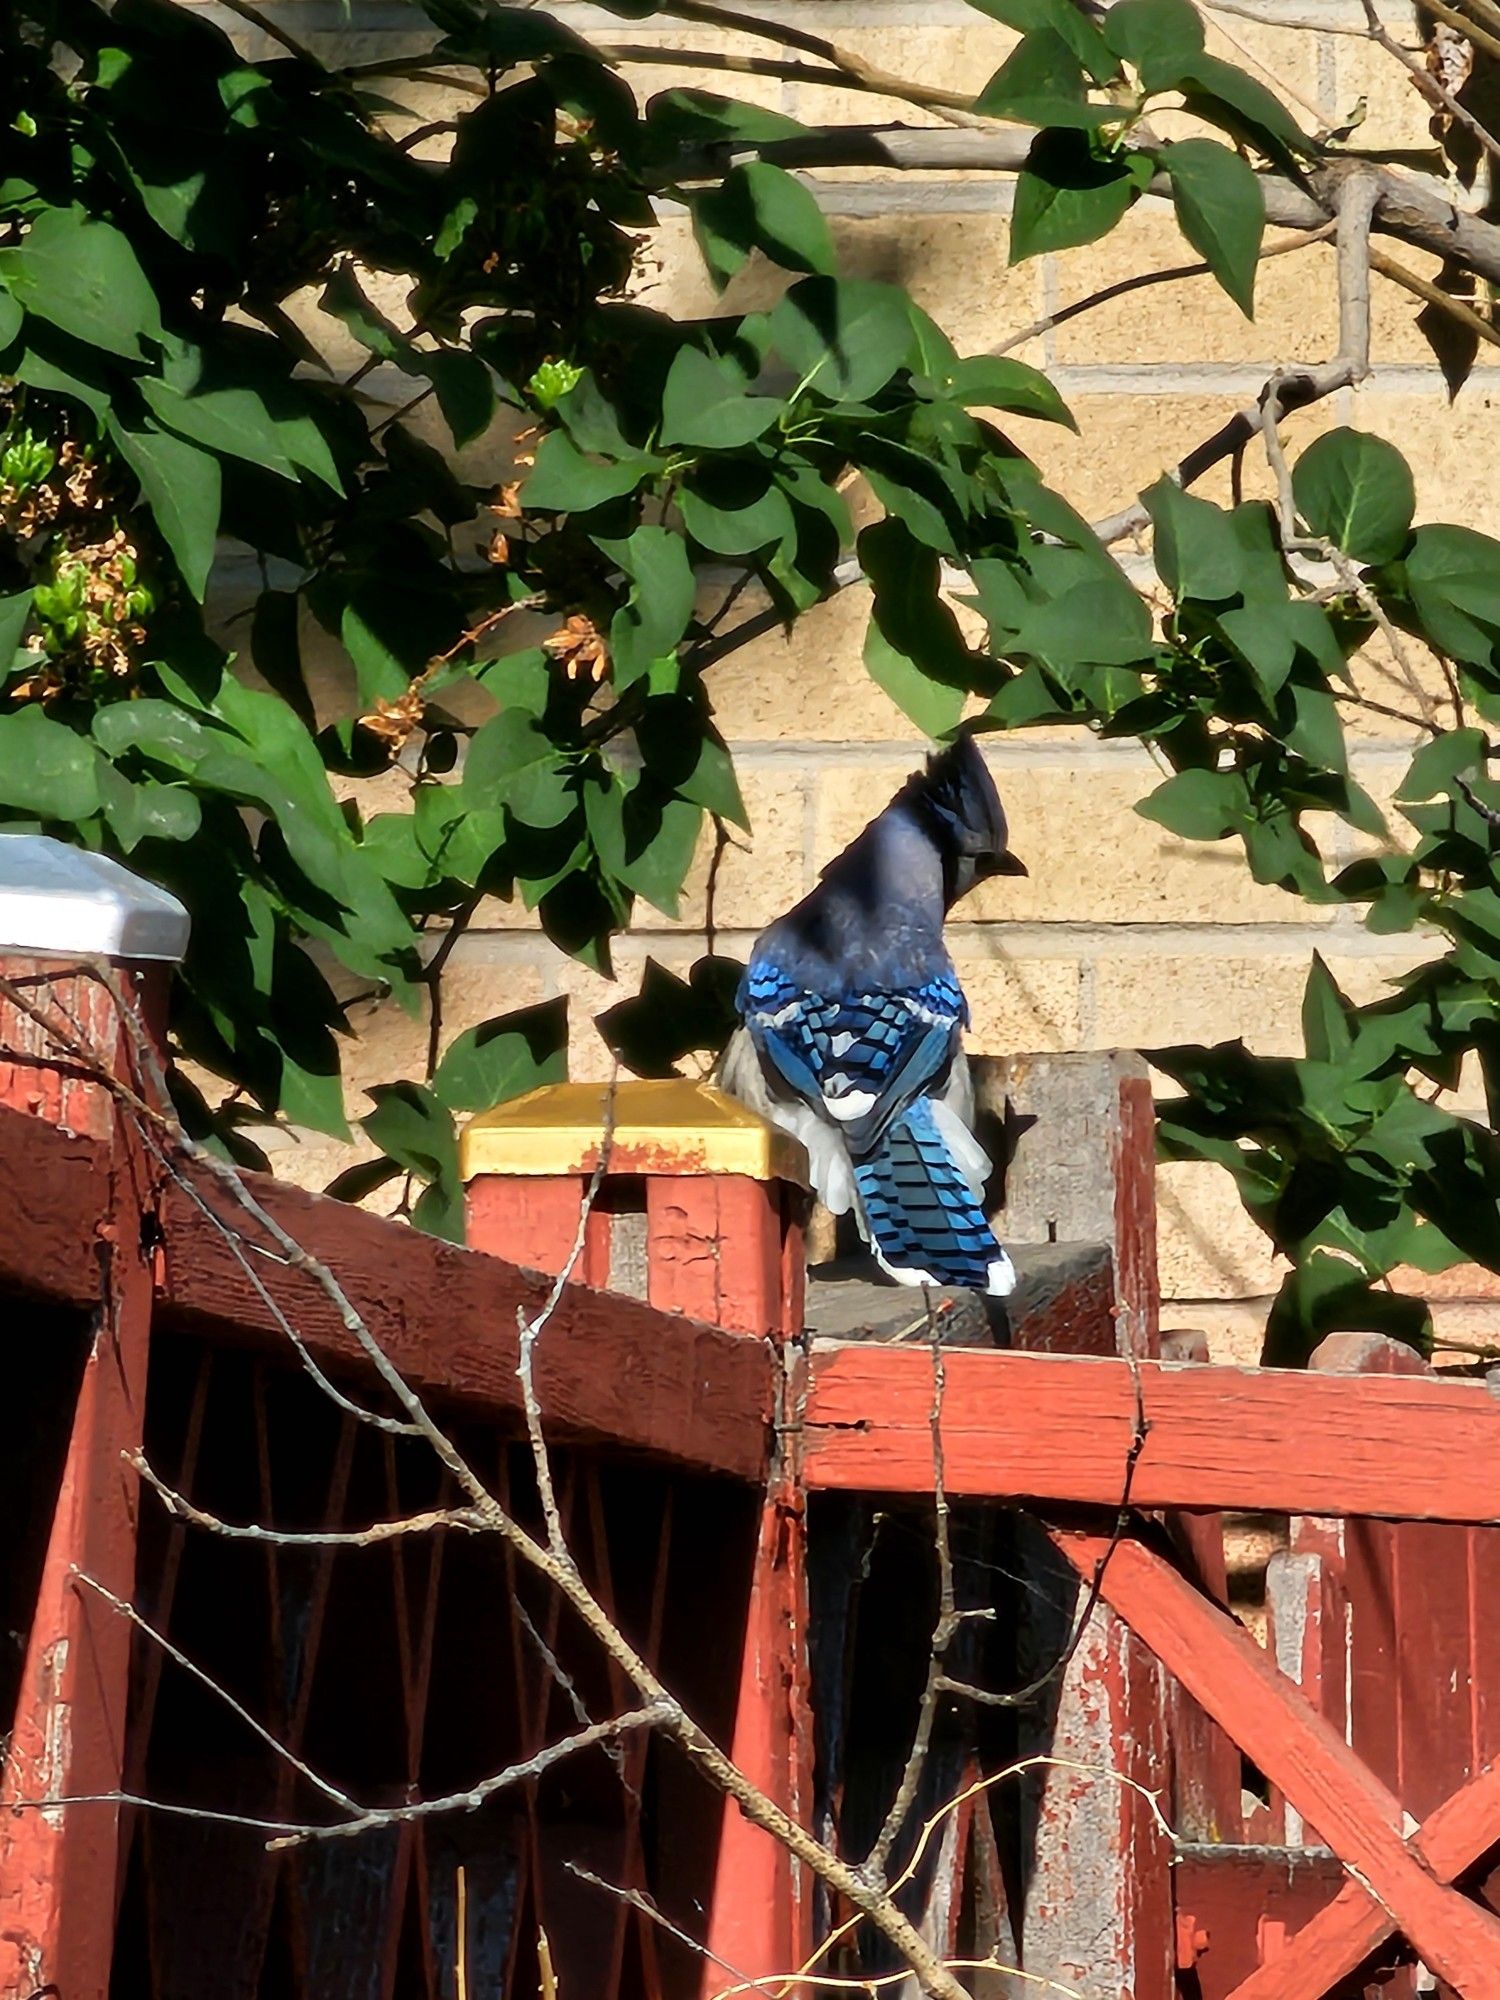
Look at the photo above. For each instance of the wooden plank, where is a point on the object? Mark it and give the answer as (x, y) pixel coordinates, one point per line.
(58, 1862)
(609, 1369)
(1330, 1945)
(1056, 1427)
(54, 1195)
(1237, 1906)
(1217, 1660)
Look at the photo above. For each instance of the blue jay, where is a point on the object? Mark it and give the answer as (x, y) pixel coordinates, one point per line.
(851, 1039)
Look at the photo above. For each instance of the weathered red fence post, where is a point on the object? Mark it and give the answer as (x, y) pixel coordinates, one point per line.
(699, 1210)
(65, 916)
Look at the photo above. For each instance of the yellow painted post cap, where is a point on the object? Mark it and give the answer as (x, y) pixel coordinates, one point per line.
(670, 1126)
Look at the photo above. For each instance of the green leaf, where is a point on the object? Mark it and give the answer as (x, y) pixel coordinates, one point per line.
(356, 1183)
(412, 1127)
(1197, 805)
(182, 487)
(1325, 1015)
(1226, 96)
(501, 1058)
(1042, 83)
(759, 206)
(703, 405)
(685, 754)
(1453, 577)
(1197, 552)
(1158, 38)
(512, 761)
(1357, 491)
(737, 515)
(1067, 196)
(1220, 210)
(845, 337)
(913, 647)
(14, 611)
(565, 482)
(680, 118)
(83, 276)
(651, 623)
(47, 768)
(990, 382)
(10, 319)
(1432, 771)
(1064, 19)
(643, 839)
(147, 811)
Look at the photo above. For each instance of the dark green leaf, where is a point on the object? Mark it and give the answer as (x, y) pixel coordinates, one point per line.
(564, 481)
(1220, 210)
(1197, 552)
(703, 405)
(83, 276)
(10, 319)
(1357, 491)
(990, 382)
(1325, 1015)
(412, 1127)
(1066, 20)
(356, 1183)
(182, 487)
(759, 206)
(1198, 805)
(1066, 196)
(1453, 576)
(913, 647)
(1158, 38)
(736, 517)
(1042, 83)
(501, 1058)
(650, 624)
(845, 337)
(14, 611)
(1226, 96)
(46, 768)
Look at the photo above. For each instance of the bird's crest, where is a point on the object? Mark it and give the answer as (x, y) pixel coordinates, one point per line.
(958, 795)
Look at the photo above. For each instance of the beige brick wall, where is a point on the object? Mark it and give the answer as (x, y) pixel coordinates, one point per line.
(1122, 935)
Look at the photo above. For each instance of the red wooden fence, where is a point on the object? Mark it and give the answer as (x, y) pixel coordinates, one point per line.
(710, 1460)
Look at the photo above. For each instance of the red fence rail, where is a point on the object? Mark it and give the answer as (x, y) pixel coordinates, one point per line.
(709, 1469)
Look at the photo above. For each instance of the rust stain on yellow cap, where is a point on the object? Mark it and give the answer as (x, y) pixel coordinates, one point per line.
(670, 1126)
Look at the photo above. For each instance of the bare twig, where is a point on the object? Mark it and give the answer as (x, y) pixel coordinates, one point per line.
(272, 29)
(1456, 309)
(183, 1509)
(1141, 280)
(189, 1666)
(646, 1717)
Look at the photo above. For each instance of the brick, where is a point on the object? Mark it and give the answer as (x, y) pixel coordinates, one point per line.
(1189, 319)
(589, 994)
(1092, 858)
(1157, 998)
(956, 57)
(761, 873)
(1397, 118)
(1449, 447)
(1236, 1330)
(1128, 439)
(811, 685)
(1018, 1005)
(1207, 1246)
(954, 266)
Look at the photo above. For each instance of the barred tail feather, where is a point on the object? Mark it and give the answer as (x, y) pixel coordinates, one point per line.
(920, 1213)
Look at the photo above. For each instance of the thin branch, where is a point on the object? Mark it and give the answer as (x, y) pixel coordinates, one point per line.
(877, 82)
(178, 1505)
(531, 1329)
(647, 1717)
(955, 105)
(190, 1666)
(1142, 279)
(1464, 24)
(1423, 288)
(266, 26)
(431, 977)
(1426, 85)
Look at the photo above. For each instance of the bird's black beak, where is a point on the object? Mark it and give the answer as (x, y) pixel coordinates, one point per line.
(1008, 864)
